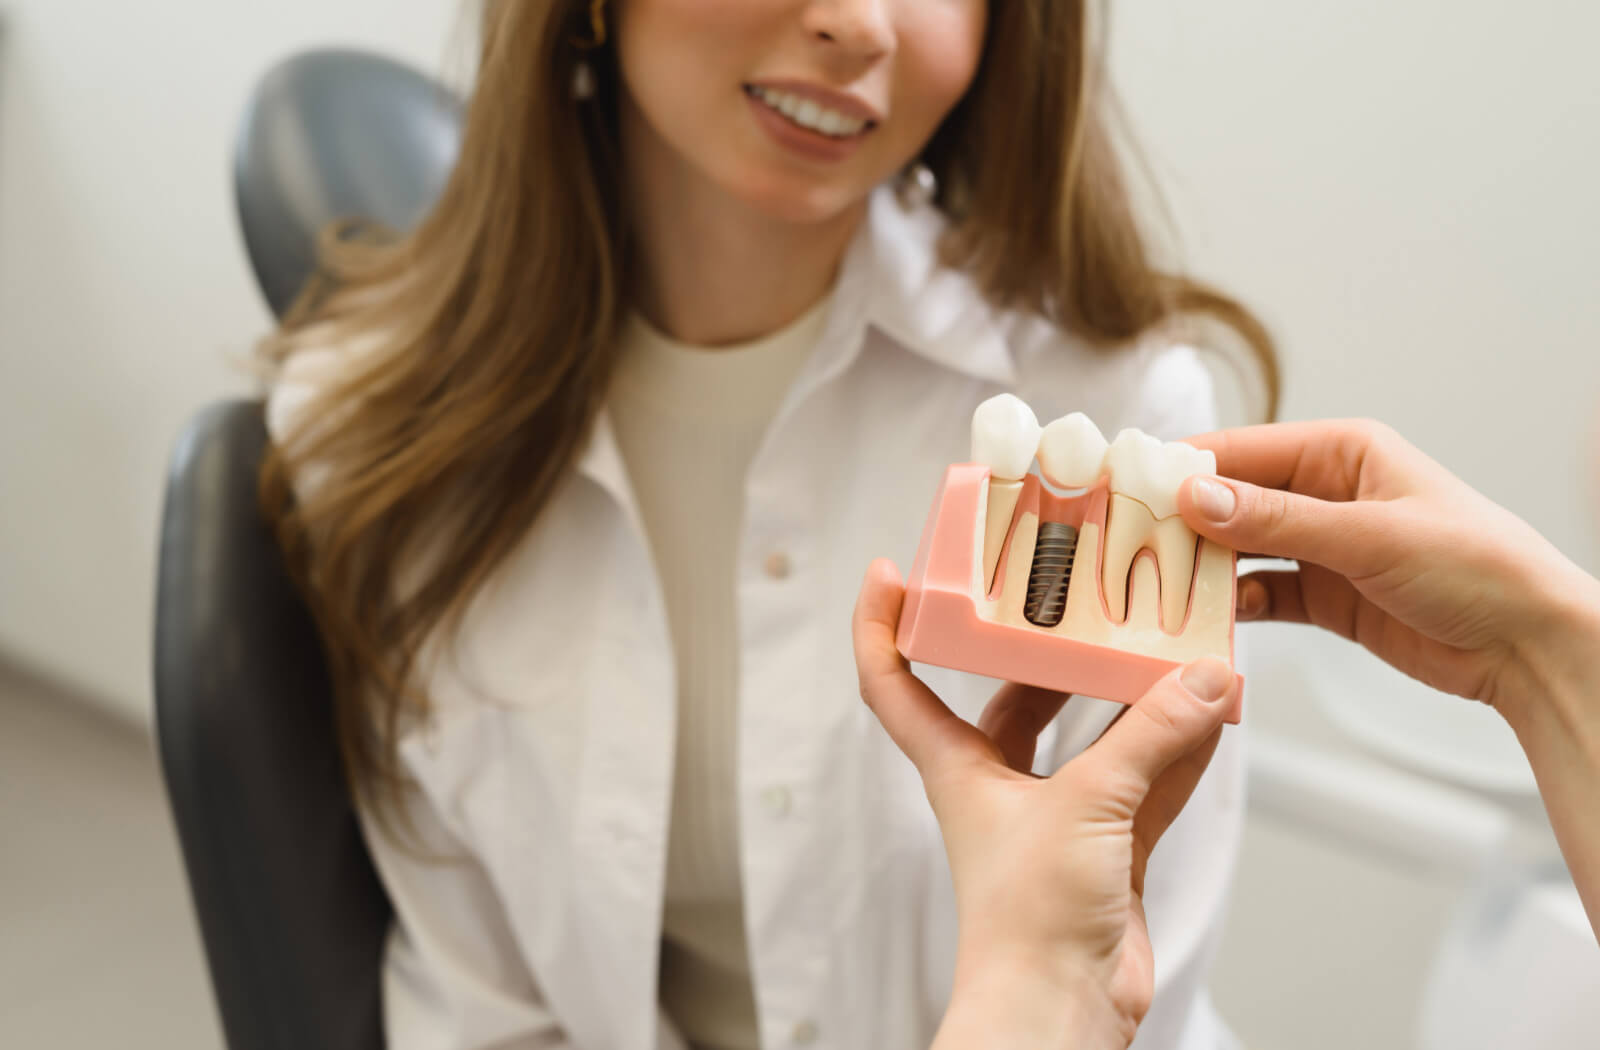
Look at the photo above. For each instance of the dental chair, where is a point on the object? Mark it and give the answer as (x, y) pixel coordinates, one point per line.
(292, 916)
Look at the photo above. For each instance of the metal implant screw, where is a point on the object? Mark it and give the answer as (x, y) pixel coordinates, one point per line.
(1053, 556)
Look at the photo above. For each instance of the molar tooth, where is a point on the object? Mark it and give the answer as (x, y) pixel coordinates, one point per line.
(1151, 471)
(1143, 513)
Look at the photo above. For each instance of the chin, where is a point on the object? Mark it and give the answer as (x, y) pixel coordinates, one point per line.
(799, 199)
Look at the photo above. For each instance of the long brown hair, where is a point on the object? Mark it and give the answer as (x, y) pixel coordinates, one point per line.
(487, 334)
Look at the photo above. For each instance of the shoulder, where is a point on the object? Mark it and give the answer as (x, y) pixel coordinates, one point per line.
(1156, 383)
(1159, 384)
(296, 414)
(319, 361)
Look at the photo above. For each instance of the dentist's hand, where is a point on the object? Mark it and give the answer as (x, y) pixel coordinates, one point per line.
(1398, 554)
(1395, 552)
(1049, 872)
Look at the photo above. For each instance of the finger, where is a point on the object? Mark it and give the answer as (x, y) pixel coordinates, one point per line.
(1015, 717)
(1271, 596)
(1323, 459)
(1168, 722)
(1312, 594)
(916, 720)
(1168, 795)
(1352, 539)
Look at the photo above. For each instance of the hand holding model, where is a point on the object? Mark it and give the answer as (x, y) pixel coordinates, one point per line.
(1083, 578)
(1395, 553)
(1398, 554)
(1049, 872)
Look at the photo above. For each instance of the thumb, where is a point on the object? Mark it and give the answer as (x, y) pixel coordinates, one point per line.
(1346, 537)
(920, 724)
(1177, 715)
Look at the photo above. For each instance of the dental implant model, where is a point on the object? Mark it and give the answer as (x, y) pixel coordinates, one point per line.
(1091, 584)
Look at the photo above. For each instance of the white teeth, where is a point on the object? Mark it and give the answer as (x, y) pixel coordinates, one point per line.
(1072, 451)
(1005, 435)
(1143, 513)
(1151, 471)
(809, 114)
(1141, 508)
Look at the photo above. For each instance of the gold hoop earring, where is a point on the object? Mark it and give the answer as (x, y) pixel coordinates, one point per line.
(597, 28)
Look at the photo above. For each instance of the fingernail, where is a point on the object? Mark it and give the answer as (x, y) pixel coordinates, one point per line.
(1214, 500)
(1207, 679)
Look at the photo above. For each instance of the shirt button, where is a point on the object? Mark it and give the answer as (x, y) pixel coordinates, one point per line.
(805, 1033)
(778, 565)
(778, 800)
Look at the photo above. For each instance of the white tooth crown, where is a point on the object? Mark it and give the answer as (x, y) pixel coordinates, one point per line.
(1005, 435)
(1072, 451)
(1150, 471)
(809, 114)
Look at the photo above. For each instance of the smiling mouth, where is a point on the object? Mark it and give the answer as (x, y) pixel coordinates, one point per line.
(812, 116)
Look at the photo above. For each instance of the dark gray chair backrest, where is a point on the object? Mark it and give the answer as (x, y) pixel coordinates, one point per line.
(292, 916)
(332, 135)
(291, 912)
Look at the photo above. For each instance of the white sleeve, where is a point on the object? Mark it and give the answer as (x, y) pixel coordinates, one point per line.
(453, 978)
(303, 375)
(1174, 395)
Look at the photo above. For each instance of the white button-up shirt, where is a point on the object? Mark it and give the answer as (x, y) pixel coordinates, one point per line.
(547, 765)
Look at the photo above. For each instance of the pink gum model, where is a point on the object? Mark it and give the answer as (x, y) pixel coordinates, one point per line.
(940, 621)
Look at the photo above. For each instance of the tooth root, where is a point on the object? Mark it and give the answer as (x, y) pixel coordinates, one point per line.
(1174, 544)
(1128, 522)
(1130, 528)
(1003, 496)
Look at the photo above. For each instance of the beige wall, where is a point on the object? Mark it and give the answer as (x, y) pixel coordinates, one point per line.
(1407, 192)
(124, 290)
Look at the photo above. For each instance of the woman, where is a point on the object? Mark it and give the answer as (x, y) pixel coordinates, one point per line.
(586, 470)
(1395, 554)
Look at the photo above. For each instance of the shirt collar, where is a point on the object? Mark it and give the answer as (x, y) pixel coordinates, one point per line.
(926, 307)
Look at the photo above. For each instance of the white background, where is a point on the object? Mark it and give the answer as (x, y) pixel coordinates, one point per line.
(1406, 191)
(125, 298)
